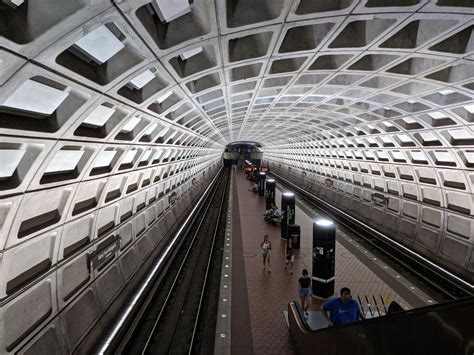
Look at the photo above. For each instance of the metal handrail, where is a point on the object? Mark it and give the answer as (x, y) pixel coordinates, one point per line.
(415, 329)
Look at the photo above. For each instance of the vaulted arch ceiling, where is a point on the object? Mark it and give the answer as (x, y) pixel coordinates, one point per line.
(251, 70)
(95, 88)
(91, 89)
(109, 110)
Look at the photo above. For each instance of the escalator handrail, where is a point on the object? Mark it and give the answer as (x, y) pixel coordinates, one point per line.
(296, 310)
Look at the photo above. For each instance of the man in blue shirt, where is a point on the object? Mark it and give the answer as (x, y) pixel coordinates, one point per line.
(342, 310)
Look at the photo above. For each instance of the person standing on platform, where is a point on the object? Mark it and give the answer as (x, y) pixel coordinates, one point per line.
(304, 289)
(290, 258)
(266, 248)
(343, 310)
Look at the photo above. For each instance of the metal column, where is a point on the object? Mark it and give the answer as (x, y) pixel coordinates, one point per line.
(287, 212)
(261, 184)
(324, 252)
(270, 186)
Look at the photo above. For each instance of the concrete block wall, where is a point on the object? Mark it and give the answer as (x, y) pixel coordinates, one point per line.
(52, 290)
(87, 165)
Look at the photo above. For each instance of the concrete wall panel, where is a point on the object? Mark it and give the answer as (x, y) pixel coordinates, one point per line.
(49, 340)
(80, 315)
(108, 285)
(25, 313)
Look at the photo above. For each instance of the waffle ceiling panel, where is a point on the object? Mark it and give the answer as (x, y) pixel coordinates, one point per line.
(109, 109)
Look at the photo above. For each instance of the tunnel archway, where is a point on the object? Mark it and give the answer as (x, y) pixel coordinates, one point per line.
(107, 108)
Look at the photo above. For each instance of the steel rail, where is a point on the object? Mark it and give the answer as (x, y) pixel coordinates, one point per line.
(146, 284)
(180, 270)
(216, 230)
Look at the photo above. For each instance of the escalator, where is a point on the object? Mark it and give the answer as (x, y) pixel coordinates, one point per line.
(444, 329)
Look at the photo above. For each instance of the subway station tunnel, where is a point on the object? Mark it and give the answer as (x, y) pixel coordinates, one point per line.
(111, 111)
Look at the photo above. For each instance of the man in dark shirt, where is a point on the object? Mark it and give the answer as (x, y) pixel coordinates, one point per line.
(342, 310)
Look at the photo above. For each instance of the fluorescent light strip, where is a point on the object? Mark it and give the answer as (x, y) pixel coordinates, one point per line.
(324, 222)
(383, 236)
(127, 312)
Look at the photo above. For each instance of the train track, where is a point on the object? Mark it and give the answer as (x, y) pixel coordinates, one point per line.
(179, 314)
(446, 286)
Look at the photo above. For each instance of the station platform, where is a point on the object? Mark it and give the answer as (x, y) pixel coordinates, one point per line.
(259, 299)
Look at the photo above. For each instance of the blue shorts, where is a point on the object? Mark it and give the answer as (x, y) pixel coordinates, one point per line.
(305, 292)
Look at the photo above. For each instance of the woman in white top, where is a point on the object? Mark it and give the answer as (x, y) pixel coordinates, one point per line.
(266, 248)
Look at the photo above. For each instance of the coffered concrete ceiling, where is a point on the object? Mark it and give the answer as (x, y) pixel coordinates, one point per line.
(108, 108)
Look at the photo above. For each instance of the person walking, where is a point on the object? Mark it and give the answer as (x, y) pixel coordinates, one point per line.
(342, 309)
(304, 289)
(290, 258)
(266, 248)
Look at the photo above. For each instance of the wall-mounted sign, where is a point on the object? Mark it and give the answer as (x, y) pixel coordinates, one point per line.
(102, 256)
(379, 199)
(270, 193)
